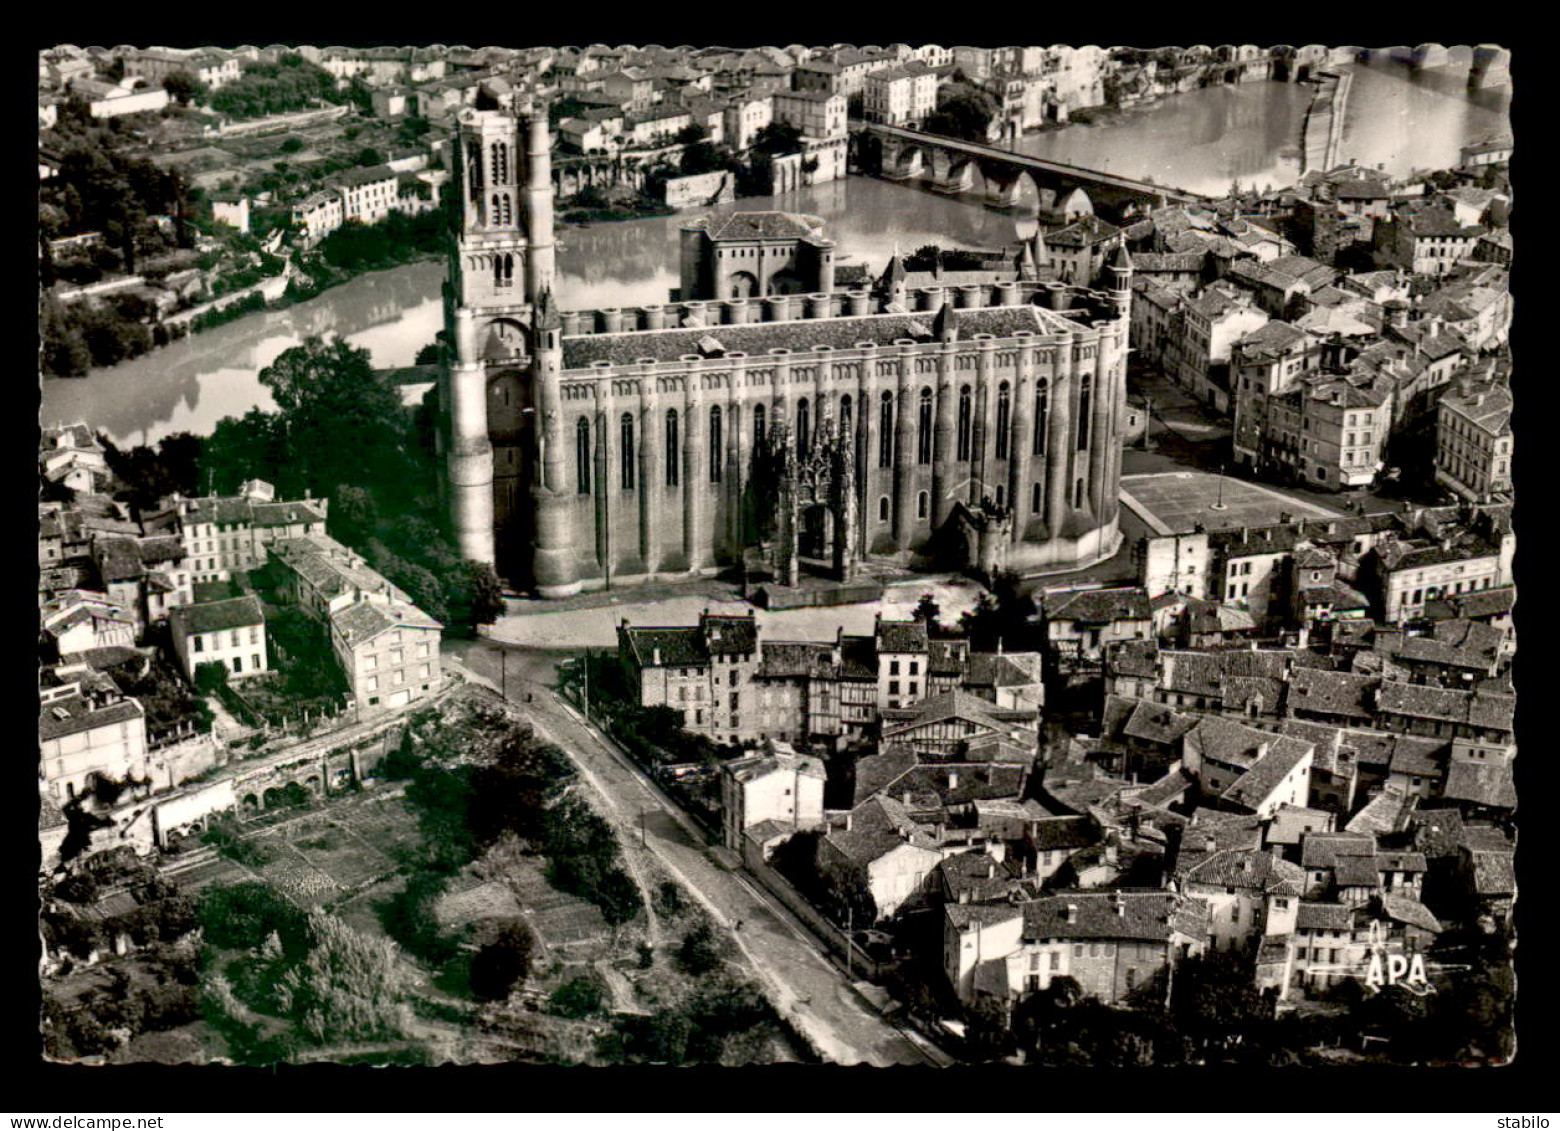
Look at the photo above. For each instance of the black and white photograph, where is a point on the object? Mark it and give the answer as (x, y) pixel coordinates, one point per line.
(631, 557)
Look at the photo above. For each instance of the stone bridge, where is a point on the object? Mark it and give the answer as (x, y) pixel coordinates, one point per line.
(950, 165)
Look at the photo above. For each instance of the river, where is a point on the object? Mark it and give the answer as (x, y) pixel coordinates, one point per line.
(1204, 139)
(1201, 141)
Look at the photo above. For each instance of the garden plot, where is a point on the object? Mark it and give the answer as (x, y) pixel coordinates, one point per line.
(489, 900)
(345, 857)
(297, 879)
(560, 920)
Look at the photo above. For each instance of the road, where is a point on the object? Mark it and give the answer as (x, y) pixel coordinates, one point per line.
(802, 982)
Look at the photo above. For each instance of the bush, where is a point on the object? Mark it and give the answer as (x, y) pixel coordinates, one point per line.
(579, 998)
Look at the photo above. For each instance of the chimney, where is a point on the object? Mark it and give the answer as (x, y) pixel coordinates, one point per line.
(1209, 844)
(953, 779)
(1072, 912)
(991, 869)
(655, 657)
(847, 822)
(1120, 906)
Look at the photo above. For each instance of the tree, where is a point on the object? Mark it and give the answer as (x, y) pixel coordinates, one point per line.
(292, 145)
(776, 140)
(343, 421)
(698, 953)
(184, 88)
(929, 612)
(965, 112)
(702, 157)
(503, 963)
(211, 677)
(474, 595)
(369, 156)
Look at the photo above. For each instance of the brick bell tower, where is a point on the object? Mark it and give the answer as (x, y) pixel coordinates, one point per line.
(499, 394)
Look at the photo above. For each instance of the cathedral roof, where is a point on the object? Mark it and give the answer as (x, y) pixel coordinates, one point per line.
(764, 225)
(756, 339)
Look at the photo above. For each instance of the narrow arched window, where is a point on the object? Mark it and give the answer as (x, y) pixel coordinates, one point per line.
(758, 426)
(1083, 414)
(717, 452)
(671, 447)
(497, 213)
(845, 415)
(582, 455)
(1078, 492)
(922, 504)
(1000, 495)
(474, 166)
(802, 427)
(628, 451)
(883, 509)
(886, 431)
(1004, 413)
(498, 271)
(923, 429)
(500, 163)
(1034, 499)
(506, 216)
(1042, 406)
(964, 423)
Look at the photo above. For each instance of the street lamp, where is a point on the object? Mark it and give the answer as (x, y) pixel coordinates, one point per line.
(1219, 504)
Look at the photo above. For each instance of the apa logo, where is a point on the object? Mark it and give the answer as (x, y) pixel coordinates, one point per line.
(1398, 970)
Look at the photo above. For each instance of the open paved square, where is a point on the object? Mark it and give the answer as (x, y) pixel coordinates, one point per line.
(1173, 502)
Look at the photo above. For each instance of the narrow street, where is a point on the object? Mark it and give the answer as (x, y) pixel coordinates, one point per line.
(803, 983)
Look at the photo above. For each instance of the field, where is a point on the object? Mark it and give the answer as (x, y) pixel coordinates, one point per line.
(1173, 502)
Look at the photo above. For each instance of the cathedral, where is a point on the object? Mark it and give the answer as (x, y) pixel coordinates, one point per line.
(928, 420)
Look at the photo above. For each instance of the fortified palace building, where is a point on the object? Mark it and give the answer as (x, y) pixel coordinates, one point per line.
(977, 424)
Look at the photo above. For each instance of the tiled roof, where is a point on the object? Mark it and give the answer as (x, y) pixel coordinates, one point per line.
(763, 225)
(785, 659)
(1142, 916)
(1096, 606)
(286, 513)
(1387, 812)
(1424, 761)
(900, 636)
(1257, 784)
(729, 634)
(1322, 850)
(361, 622)
(1008, 669)
(1053, 833)
(1164, 791)
(1193, 673)
(217, 616)
(1087, 232)
(1331, 693)
(1481, 783)
(1437, 832)
(1479, 709)
(679, 647)
(948, 705)
(1154, 722)
(1248, 868)
(875, 771)
(72, 715)
(950, 784)
(1134, 658)
(760, 765)
(756, 339)
(877, 827)
(1405, 910)
(1323, 917)
(1493, 872)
